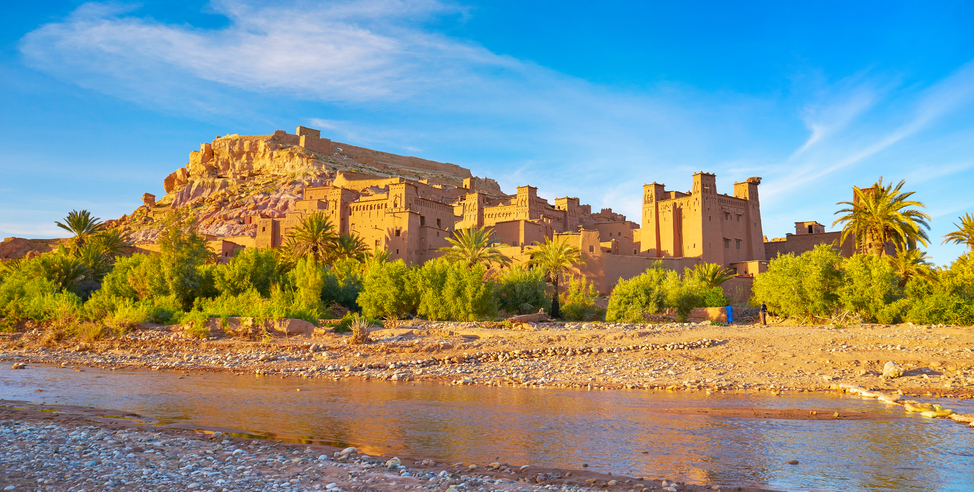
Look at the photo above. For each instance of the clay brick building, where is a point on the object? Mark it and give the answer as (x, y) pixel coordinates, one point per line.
(413, 218)
(704, 224)
(807, 235)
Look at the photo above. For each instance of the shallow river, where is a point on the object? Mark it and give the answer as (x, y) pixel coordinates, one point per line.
(625, 432)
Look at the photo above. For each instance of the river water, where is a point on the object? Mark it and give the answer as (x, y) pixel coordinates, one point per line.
(633, 433)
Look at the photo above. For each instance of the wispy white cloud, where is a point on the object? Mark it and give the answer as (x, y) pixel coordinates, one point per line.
(344, 51)
(859, 143)
(372, 74)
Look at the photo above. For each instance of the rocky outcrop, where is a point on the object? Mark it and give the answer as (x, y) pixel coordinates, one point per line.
(232, 181)
(14, 247)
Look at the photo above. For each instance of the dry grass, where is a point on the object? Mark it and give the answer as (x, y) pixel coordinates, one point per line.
(360, 331)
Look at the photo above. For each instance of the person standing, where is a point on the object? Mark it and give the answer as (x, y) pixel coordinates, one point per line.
(764, 314)
(730, 314)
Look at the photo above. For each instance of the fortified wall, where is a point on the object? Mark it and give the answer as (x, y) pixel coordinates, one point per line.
(807, 236)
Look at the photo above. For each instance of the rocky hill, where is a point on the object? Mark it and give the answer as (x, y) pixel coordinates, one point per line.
(237, 177)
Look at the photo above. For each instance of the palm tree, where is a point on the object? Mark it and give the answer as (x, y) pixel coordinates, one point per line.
(879, 215)
(65, 271)
(910, 263)
(711, 275)
(555, 258)
(115, 242)
(81, 224)
(350, 246)
(314, 237)
(96, 257)
(964, 233)
(474, 246)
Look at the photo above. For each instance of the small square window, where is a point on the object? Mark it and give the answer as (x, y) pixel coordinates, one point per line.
(727, 243)
(591, 249)
(398, 232)
(738, 244)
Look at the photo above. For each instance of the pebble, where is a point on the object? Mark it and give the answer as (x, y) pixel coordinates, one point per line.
(76, 457)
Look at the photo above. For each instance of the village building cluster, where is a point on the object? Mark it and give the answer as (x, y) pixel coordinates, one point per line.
(413, 219)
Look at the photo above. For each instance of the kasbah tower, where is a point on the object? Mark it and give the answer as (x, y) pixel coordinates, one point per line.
(704, 224)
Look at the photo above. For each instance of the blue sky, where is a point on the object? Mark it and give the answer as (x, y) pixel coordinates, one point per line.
(101, 101)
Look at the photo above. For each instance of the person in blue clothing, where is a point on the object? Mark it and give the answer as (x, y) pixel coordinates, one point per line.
(730, 314)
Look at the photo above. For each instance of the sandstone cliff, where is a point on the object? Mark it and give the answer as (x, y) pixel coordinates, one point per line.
(237, 178)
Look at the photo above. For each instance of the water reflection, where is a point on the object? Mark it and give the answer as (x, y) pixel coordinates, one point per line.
(619, 432)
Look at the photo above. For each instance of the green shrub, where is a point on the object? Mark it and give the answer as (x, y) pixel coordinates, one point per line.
(714, 297)
(427, 284)
(803, 286)
(347, 285)
(523, 290)
(578, 302)
(344, 325)
(164, 310)
(182, 251)
(252, 268)
(385, 292)
(868, 285)
(941, 308)
(308, 279)
(25, 295)
(894, 312)
(117, 283)
(631, 300)
(195, 322)
(451, 291)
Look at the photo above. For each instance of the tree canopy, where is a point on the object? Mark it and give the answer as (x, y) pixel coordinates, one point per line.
(964, 233)
(474, 246)
(555, 257)
(884, 214)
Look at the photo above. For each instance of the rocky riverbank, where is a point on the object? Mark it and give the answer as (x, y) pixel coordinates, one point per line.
(74, 448)
(83, 449)
(936, 361)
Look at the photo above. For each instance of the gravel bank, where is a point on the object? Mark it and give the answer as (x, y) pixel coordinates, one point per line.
(937, 361)
(72, 448)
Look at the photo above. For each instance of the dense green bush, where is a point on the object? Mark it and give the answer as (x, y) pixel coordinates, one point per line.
(252, 268)
(803, 286)
(385, 291)
(941, 308)
(523, 290)
(714, 297)
(684, 294)
(868, 286)
(633, 299)
(578, 302)
(451, 291)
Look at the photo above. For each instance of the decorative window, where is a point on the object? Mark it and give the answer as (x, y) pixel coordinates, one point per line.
(727, 243)
(738, 244)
